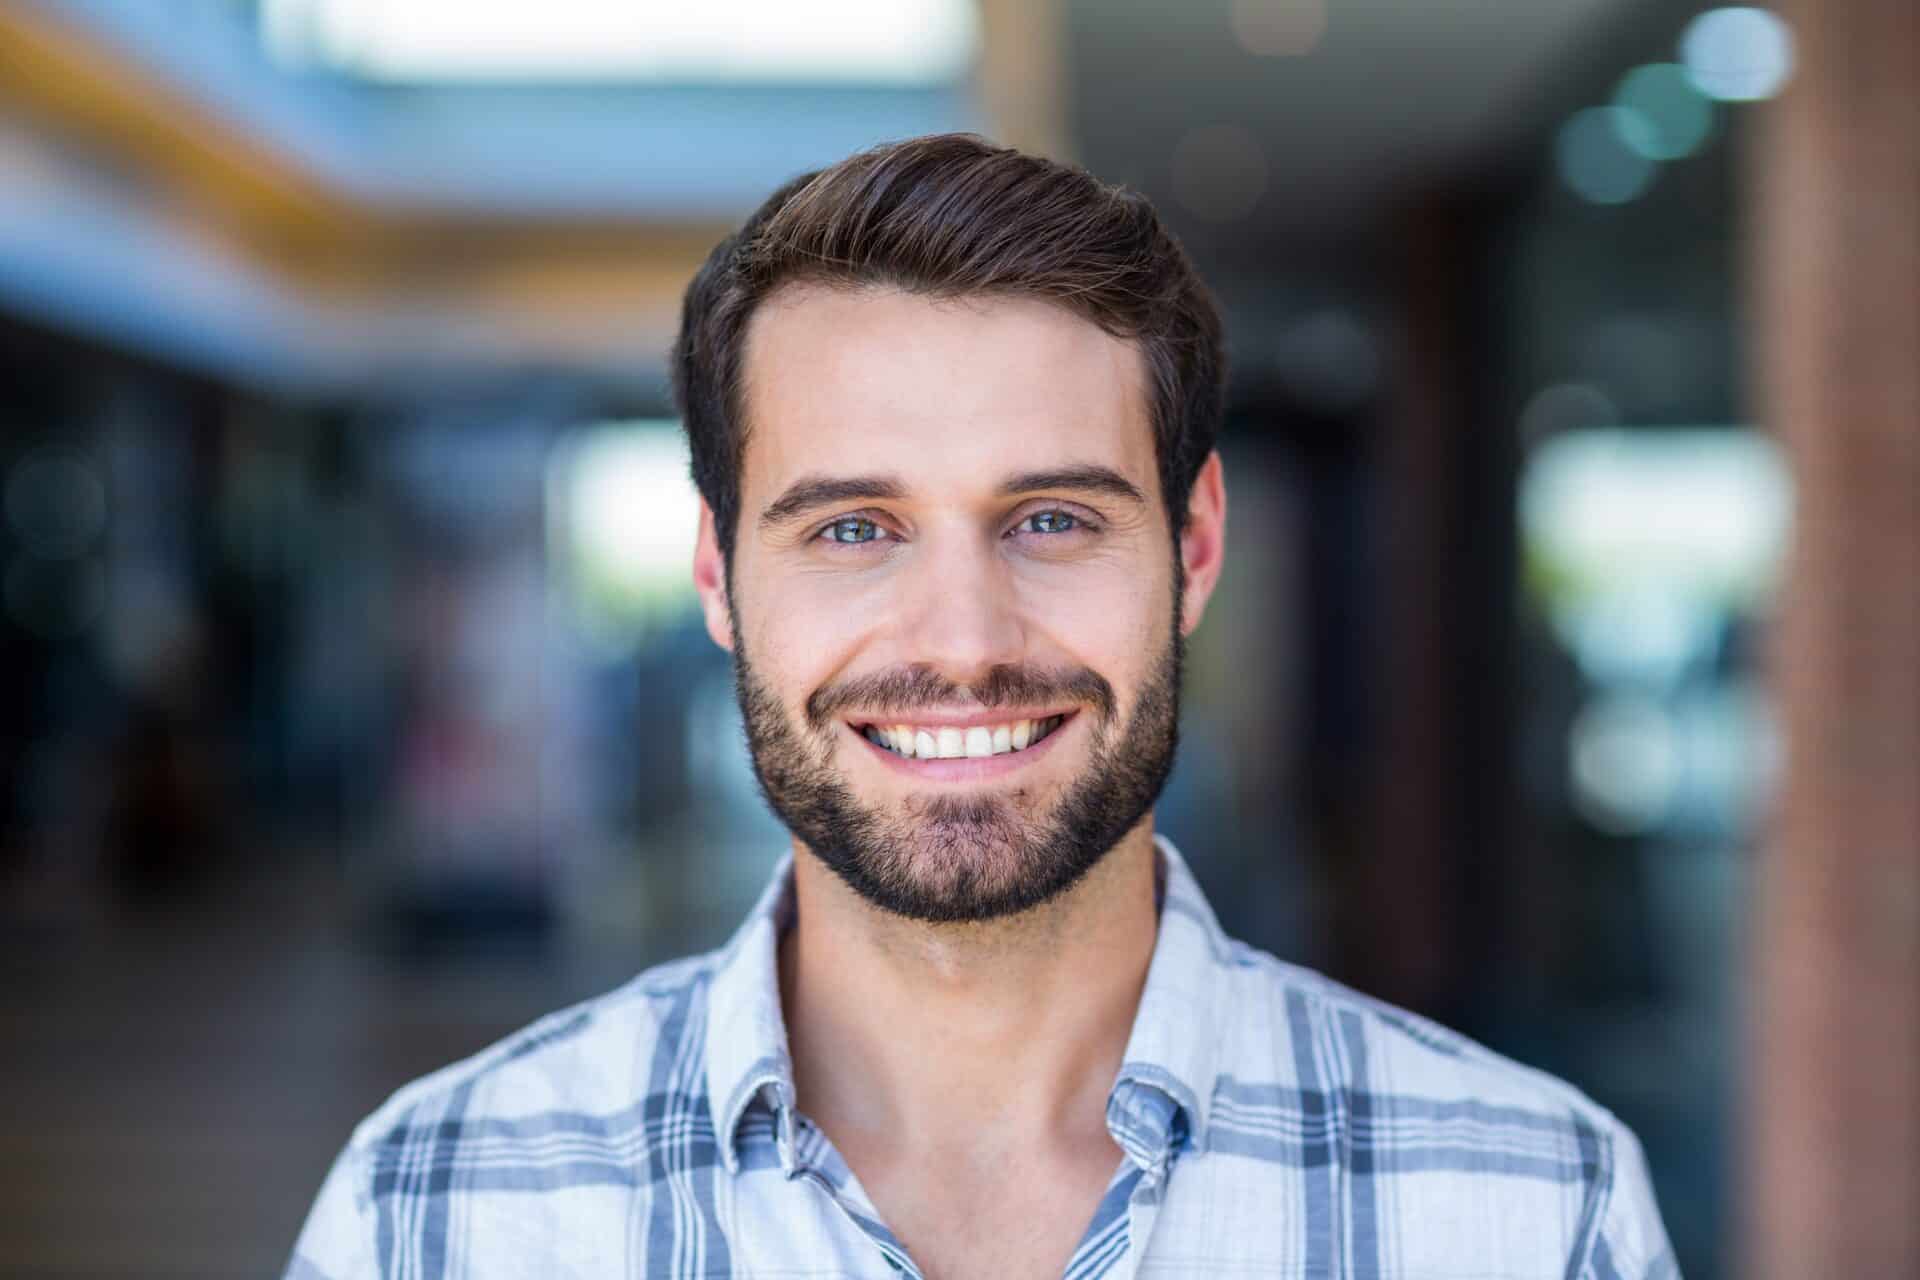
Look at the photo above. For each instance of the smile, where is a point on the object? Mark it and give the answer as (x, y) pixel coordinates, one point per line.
(950, 742)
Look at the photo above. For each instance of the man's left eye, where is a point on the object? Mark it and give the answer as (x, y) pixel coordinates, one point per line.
(1051, 522)
(852, 529)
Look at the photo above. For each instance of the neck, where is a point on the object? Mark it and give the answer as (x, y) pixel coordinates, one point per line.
(917, 1035)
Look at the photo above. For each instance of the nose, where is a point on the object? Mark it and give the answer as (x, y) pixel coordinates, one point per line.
(961, 613)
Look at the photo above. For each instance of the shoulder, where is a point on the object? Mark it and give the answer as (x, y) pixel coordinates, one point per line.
(1315, 1073)
(567, 1105)
(1308, 1028)
(582, 1065)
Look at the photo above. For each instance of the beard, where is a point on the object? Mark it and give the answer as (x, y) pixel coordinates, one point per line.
(965, 858)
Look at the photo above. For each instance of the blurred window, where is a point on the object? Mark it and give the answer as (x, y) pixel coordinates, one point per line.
(624, 515)
(896, 42)
(1646, 549)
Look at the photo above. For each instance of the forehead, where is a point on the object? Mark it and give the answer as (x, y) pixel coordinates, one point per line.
(943, 392)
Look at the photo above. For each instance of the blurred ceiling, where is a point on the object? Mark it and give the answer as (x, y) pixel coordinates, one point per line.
(309, 228)
(1355, 102)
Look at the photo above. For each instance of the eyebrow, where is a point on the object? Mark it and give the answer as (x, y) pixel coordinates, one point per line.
(1089, 478)
(809, 492)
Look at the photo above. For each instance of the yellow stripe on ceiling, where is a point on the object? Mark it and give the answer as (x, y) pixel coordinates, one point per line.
(549, 280)
(61, 78)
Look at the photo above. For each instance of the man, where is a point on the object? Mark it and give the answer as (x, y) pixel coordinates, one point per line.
(952, 412)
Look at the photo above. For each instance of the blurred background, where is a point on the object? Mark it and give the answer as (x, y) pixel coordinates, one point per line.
(354, 706)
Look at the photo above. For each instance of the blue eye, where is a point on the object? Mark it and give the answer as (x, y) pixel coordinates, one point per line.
(852, 529)
(1052, 522)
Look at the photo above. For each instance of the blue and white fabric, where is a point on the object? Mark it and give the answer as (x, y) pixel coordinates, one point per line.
(1273, 1123)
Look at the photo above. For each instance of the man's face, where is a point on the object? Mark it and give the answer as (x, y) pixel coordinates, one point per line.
(955, 602)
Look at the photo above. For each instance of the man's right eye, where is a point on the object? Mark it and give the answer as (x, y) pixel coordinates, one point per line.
(851, 529)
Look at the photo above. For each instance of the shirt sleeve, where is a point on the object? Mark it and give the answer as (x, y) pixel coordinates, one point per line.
(337, 1242)
(1631, 1243)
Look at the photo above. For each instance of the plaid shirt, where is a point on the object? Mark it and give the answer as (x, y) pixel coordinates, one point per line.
(1273, 1123)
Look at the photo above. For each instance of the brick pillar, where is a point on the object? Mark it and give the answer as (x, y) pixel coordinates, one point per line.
(1832, 1158)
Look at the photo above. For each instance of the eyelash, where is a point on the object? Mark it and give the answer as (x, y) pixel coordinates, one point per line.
(1081, 524)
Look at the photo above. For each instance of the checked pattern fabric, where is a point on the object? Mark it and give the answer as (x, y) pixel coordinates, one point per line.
(1273, 1123)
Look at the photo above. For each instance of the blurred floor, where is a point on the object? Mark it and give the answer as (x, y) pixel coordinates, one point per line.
(177, 1081)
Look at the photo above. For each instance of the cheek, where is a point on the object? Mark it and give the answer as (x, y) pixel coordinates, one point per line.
(797, 640)
(1116, 623)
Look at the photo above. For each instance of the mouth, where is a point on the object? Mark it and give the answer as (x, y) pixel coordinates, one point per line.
(951, 742)
(949, 751)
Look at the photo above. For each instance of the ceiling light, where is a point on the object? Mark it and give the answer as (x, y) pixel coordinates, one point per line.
(1278, 28)
(1677, 117)
(1738, 54)
(1596, 160)
(862, 41)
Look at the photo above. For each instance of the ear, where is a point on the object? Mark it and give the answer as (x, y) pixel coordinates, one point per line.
(710, 580)
(1203, 544)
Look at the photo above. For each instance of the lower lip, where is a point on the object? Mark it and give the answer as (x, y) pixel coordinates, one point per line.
(965, 768)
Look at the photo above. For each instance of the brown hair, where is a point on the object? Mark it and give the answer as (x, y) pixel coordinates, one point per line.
(951, 215)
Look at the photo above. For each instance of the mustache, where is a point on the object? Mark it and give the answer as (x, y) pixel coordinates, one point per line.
(905, 690)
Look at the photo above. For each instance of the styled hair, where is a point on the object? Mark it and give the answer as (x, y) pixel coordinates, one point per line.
(952, 215)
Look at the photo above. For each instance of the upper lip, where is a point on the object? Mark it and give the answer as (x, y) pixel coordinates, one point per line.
(958, 719)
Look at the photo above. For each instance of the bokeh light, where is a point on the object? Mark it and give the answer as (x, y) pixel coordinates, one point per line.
(1676, 118)
(1278, 28)
(1702, 511)
(1738, 54)
(1624, 762)
(626, 515)
(1596, 161)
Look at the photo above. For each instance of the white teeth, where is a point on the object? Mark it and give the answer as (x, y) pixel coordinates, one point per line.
(948, 743)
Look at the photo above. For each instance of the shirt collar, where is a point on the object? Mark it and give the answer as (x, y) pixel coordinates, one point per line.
(1161, 1094)
(747, 1057)
(1164, 1089)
